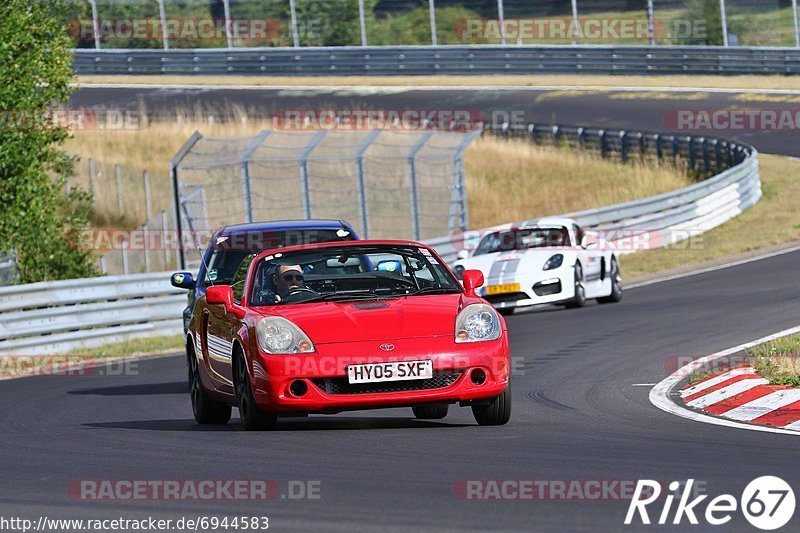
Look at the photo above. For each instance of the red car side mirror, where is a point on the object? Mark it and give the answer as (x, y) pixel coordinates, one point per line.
(223, 295)
(472, 279)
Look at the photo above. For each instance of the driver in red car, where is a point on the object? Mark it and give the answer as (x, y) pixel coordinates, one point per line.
(288, 278)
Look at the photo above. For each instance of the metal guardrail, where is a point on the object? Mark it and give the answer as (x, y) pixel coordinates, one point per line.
(454, 59)
(663, 219)
(57, 317)
(60, 316)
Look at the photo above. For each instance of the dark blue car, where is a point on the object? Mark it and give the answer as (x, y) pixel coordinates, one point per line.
(231, 244)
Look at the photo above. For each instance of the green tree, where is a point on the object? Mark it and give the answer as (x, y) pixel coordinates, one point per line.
(708, 11)
(38, 219)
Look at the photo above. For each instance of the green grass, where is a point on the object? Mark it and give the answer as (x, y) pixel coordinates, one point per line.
(147, 346)
(778, 360)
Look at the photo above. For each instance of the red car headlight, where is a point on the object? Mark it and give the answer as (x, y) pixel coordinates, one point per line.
(276, 335)
(476, 323)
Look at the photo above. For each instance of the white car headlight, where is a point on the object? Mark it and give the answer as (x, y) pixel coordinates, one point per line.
(476, 323)
(276, 335)
(555, 261)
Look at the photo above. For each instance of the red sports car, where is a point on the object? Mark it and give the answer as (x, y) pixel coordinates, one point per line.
(325, 328)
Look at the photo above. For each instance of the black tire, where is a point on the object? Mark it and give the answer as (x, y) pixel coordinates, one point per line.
(616, 285)
(253, 418)
(431, 412)
(579, 300)
(206, 410)
(496, 413)
(505, 311)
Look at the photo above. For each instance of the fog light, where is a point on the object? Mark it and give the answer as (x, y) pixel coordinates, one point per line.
(478, 376)
(298, 388)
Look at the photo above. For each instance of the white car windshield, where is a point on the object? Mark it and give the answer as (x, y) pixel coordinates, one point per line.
(523, 239)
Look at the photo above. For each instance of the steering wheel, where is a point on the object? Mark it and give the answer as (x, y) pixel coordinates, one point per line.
(300, 290)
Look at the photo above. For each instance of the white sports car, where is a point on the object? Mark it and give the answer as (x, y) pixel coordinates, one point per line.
(545, 261)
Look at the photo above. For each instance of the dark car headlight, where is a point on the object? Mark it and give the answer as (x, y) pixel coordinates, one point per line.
(555, 261)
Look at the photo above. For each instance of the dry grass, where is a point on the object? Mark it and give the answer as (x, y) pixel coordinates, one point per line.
(527, 180)
(774, 220)
(778, 360)
(533, 80)
(515, 180)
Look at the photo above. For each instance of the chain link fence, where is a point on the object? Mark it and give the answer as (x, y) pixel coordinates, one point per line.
(197, 24)
(386, 183)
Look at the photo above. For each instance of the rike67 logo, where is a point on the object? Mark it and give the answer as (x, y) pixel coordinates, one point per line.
(767, 503)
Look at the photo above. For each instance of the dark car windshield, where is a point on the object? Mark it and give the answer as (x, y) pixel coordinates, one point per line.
(522, 239)
(349, 273)
(228, 251)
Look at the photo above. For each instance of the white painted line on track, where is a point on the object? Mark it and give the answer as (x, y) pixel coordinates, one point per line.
(394, 88)
(714, 268)
(764, 405)
(716, 380)
(660, 394)
(734, 389)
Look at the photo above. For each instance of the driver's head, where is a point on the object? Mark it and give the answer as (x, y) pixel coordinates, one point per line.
(288, 277)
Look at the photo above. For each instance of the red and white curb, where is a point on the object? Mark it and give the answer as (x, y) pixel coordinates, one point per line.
(738, 398)
(741, 394)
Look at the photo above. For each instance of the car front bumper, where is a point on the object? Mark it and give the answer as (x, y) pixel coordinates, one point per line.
(324, 375)
(549, 287)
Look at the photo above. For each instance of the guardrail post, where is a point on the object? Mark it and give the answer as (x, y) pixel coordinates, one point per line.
(603, 143)
(66, 184)
(640, 142)
(582, 138)
(718, 154)
(659, 147)
(118, 174)
(148, 204)
(675, 150)
(556, 131)
(706, 161)
(690, 149)
(623, 146)
(412, 175)
(532, 133)
(125, 257)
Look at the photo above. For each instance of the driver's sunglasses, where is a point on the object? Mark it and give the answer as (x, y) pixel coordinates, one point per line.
(295, 277)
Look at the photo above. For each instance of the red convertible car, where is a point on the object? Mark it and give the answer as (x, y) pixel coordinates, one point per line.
(326, 328)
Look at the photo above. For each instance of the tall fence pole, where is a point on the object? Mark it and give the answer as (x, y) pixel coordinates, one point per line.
(362, 183)
(304, 180)
(362, 18)
(148, 202)
(95, 25)
(293, 13)
(163, 16)
(246, 190)
(575, 27)
(164, 240)
(724, 17)
(226, 6)
(120, 203)
(432, 17)
(651, 25)
(146, 245)
(796, 27)
(412, 176)
(501, 17)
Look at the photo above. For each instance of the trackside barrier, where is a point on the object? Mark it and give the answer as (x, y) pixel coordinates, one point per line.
(453, 59)
(666, 218)
(59, 316)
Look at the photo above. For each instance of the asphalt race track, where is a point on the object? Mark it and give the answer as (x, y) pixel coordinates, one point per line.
(645, 110)
(577, 416)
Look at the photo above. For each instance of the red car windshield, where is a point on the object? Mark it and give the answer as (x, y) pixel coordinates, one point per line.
(349, 273)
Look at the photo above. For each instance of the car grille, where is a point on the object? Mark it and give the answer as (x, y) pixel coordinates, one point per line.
(341, 385)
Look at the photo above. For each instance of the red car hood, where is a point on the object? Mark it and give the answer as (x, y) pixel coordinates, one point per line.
(398, 318)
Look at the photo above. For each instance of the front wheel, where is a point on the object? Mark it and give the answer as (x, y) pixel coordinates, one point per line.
(253, 418)
(206, 410)
(616, 285)
(496, 413)
(579, 300)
